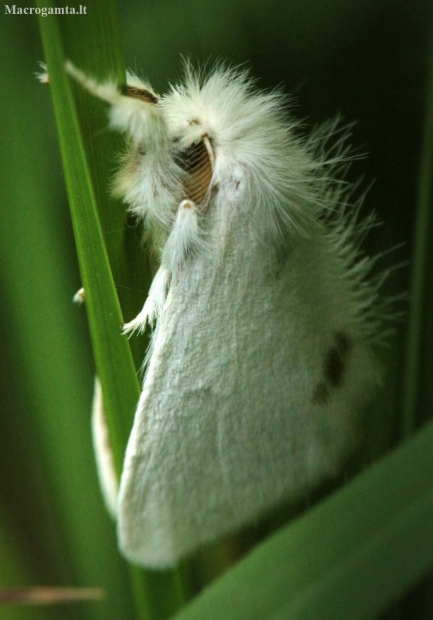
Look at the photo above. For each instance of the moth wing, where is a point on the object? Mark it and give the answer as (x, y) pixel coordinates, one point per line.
(103, 453)
(231, 419)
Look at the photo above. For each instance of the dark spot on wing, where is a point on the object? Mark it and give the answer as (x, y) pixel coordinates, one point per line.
(334, 367)
(336, 358)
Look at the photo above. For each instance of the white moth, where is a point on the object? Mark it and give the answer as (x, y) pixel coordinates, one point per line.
(263, 314)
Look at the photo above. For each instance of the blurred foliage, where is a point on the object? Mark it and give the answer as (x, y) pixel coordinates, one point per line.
(366, 60)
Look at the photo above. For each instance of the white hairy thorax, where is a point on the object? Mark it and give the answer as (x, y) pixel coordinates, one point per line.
(263, 313)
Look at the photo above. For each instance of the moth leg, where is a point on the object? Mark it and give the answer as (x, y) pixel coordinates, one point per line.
(185, 238)
(42, 76)
(79, 297)
(153, 305)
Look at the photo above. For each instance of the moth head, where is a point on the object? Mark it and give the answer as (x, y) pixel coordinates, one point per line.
(196, 162)
(211, 137)
(192, 139)
(216, 137)
(181, 151)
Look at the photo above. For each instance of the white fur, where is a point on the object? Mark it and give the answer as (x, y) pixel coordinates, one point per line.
(261, 356)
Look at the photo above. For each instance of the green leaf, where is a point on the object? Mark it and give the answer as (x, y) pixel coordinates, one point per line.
(347, 558)
(417, 397)
(113, 357)
(157, 595)
(52, 511)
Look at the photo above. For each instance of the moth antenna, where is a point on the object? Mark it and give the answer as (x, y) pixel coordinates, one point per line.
(135, 111)
(106, 90)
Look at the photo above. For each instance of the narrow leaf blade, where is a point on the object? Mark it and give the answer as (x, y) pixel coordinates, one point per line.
(347, 558)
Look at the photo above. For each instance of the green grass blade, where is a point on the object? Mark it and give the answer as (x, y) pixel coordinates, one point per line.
(417, 397)
(93, 43)
(113, 358)
(112, 353)
(349, 557)
(49, 488)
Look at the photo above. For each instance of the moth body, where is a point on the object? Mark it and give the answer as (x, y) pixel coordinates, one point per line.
(264, 317)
